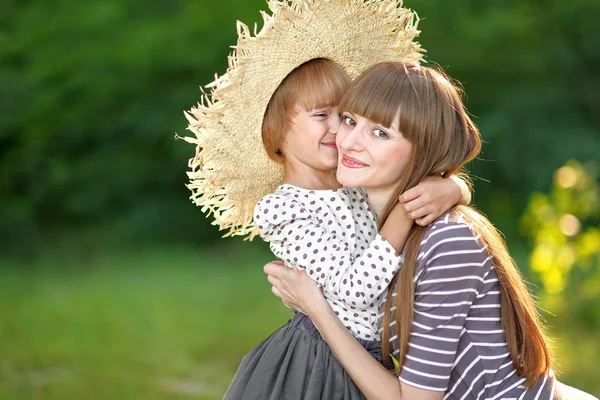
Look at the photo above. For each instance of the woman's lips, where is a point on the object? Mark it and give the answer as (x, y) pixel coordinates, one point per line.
(352, 162)
(330, 145)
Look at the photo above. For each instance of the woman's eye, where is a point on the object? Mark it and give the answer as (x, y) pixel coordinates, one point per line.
(380, 134)
(348, 121)
(321, 115)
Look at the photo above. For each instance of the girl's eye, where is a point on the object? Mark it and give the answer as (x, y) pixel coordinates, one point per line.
(348, 121)
(380, 134)
(321, 114)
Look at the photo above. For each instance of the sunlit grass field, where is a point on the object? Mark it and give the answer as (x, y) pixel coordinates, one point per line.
(157, 324)
(164, 323)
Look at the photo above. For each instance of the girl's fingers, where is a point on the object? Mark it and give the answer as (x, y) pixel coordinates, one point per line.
(414, 205)
(425, 220)
(422, 212)
(410, 194)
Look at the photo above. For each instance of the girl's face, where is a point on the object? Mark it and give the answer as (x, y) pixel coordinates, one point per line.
(311, 138)
(371, 156)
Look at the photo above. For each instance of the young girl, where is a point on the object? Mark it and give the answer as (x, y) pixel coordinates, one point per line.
(315, 224)
(460, 322)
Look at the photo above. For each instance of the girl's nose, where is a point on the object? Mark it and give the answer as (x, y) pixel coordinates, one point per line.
(334, 123)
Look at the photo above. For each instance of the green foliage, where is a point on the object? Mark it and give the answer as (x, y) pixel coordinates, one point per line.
(92, 94)
(527, 69)
(564, 227)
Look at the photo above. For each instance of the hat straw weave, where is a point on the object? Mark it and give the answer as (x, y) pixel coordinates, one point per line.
(231, 171)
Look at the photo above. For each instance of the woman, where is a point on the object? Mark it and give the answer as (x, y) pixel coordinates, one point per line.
(327, 230)
(460, 321)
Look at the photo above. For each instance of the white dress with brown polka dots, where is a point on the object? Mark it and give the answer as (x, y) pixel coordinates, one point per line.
(332, 234)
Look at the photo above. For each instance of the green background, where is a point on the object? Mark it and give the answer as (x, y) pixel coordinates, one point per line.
(114, 286)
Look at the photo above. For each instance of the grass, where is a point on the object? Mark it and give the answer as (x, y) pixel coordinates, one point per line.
(167, 323)
(157, 324)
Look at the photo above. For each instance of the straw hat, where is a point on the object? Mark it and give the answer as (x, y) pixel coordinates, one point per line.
(231, 171)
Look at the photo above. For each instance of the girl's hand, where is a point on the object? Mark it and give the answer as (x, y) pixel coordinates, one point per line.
(294, 287)
(433, 197)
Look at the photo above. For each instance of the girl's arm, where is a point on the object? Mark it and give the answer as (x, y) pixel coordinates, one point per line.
(297, 236)
(434, 196)
(375, 382)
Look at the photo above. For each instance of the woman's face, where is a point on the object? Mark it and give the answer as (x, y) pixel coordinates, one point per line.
(370, 155)
(311, 138)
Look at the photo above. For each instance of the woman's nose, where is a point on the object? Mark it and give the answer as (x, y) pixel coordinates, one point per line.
(350, 140)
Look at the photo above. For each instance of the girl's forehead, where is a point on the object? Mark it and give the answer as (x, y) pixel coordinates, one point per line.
(320, 93)
(299, 107)
(318, 99)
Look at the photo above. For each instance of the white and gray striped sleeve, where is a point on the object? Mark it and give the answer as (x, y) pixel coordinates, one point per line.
(451, 267)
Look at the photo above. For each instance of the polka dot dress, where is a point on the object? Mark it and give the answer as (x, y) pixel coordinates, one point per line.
(332, 234)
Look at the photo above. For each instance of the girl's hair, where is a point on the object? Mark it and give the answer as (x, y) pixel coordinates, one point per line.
(434, 119)
(314, 84)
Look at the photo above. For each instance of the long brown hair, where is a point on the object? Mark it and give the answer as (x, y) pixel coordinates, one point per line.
(434, 119)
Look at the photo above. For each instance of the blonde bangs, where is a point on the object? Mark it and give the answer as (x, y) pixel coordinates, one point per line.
(320, 83)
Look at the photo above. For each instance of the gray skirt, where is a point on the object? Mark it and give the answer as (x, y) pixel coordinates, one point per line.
(295, 363)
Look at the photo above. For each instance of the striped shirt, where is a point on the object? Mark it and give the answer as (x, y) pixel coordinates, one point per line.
(457, 343)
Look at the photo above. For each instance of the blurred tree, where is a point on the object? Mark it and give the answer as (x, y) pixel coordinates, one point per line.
(527, 68)
(564, 227)
(93, 92)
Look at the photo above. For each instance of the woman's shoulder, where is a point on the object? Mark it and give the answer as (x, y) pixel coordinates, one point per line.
(453, 231)
(457, 218)
(452, 251)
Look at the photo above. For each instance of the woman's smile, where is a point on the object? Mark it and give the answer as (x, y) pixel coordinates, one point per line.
(350, 162)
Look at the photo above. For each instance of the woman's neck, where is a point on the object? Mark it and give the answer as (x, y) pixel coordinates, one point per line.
(306, 177)
(378, 198)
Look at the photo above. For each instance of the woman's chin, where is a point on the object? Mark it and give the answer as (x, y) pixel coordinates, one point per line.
(348, 179)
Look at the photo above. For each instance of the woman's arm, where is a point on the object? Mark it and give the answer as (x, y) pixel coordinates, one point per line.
(300, 292)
